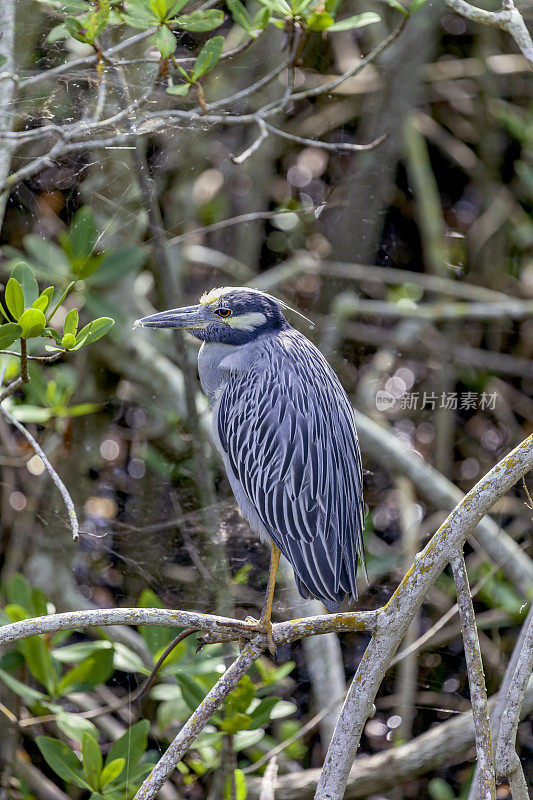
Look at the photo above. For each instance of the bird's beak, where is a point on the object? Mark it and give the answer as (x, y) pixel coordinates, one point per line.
(192, 317)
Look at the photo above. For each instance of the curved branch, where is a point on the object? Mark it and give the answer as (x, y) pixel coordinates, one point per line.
(508, 19)
(401, 608)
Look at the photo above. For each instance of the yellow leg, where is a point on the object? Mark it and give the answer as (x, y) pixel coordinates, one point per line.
(265, 624)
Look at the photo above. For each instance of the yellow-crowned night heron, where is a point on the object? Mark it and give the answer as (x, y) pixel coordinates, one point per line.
(285, 430)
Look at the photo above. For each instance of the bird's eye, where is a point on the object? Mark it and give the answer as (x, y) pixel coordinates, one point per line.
(224, 312)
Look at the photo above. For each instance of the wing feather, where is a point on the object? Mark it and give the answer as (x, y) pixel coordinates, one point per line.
(287, 428)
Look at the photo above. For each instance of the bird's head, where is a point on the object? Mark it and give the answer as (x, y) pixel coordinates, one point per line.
(230, 315)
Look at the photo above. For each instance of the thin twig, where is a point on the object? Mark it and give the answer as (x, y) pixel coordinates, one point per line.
(256, 144)
(476, 679)
(73, 519)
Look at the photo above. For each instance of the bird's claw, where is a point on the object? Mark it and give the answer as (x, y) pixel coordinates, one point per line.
(264, 626)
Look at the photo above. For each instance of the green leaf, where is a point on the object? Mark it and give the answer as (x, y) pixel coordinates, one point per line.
(57, 33)
(19, 592)
(62, 760)
(166, 41)
(71, 322)
(68, 341)
(357, 21)
(32, 322)
(64, 294)
(50, 261)
(415, 6)
(92, 760)
(235, 788)
(398, 6)
(208, 57)
(14, 298)
(94, 330)
(181, 89)
(116, 264)
(97, 668)
(28, 694)
(23, 273)
(131, 745)
(240, 14)
(39, 663)
(236, 722)
(191, 692)
(261, 19)
(279, 6)
(83, 234)
(3, 60)
(241, 696)
(74, 726)
(245, 739)
(176, 7)
(138, 14)
(9, 333)
(42, 303)
(260, 716)
(319, 21)
(111, 771)
(72, 653)
(159, 7)
(198, 21)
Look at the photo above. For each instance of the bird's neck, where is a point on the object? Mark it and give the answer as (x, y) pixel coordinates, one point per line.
(212, 376)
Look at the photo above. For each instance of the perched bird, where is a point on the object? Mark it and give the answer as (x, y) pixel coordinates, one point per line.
(285, 430)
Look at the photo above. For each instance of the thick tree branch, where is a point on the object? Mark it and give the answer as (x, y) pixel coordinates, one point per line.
(447, 743)
(401, 608)
(508, 19)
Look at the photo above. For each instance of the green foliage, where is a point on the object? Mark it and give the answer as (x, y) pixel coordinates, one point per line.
(59, 668)
(306, 14)
(207, 58)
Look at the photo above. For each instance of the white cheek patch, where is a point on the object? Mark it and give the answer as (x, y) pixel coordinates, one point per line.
(247, 322)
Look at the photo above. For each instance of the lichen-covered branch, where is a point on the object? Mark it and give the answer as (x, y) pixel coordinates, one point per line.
(507, 761)
(476, 679)
(444, 744)
(397, 615)
(197, 721)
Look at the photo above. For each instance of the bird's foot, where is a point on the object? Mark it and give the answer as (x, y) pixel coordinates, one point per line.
(265, 626)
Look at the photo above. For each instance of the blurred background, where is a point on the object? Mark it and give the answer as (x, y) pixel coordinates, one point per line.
(413, 261)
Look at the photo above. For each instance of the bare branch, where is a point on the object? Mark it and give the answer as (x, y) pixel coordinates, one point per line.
(73, 519)
(508, 19)
(444, 744)
(401, 608)
(268, 785)
(507, 761)
(476, 679)
(197, 721)
(334, 147)
(256, 144)
(235, 628)
(7, 88)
